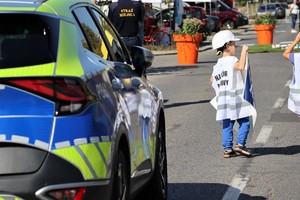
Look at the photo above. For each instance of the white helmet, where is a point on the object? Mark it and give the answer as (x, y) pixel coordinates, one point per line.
(222, 37)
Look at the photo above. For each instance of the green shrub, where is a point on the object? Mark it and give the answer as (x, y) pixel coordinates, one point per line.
(265, 19)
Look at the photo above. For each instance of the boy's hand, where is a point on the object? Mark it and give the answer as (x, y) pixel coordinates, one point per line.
(245, 48)
(297, 39)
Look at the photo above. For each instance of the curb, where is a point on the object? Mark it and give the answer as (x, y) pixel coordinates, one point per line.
(165, 53)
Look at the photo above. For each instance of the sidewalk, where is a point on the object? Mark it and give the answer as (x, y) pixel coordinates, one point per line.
(205, 46)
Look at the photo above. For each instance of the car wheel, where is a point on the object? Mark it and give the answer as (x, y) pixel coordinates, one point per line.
(121, 179)
(228, 24)
(161, 38)
(158, 186)
(206, 31)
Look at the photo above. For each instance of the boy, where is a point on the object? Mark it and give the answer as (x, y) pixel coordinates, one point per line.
(294, 58)
(228, 84)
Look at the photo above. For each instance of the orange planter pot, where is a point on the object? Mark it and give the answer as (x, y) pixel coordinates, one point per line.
(187, 47)
(264, 33)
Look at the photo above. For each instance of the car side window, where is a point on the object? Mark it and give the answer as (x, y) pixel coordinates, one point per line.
(93, 40)
(112, 39)
(197, 14)
(189, 14)
(270, 7)
(261, 8)
(168, 15)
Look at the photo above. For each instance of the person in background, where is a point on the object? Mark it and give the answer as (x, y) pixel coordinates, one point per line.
(228, 83)
(294, 58)
(126, 16)
(294, 11)
(142, 25)
(148, 18)
(148, 10)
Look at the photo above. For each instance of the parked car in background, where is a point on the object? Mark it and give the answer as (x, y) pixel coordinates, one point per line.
(229, 17)
(166, 18)
(273, 9)
(280, 10)
(284, 5)
(245, 20)
(156, 9)
(213, 23)
(79, 119)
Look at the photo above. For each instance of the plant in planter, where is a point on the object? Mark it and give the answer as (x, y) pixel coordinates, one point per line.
(190, 26)
(264, 26)
(265, 19)
(187, 39)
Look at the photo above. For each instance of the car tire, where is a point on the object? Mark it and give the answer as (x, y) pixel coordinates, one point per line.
(121, 178)
(206, 31)
(161, 38)
(157, 189)
(228, 24)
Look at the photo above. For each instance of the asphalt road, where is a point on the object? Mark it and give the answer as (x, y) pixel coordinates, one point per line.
(196, 167)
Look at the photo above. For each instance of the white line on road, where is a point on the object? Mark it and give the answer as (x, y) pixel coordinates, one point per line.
(282, 31)
(264, 134)
(235, 188)
(279, 103)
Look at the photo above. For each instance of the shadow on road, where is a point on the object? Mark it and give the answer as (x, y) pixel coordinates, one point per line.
(169, 69)
(186, 103)
(289, 150)
(202, 191)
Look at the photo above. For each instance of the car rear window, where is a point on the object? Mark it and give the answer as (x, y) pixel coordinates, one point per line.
(26, 40)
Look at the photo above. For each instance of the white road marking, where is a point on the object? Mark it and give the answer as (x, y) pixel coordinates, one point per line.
(279, 103)
(235, 188)
(282, 31)
(264, 134)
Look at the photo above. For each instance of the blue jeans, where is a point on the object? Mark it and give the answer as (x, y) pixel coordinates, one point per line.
(294, 19)
(131, 41)
(227, 133)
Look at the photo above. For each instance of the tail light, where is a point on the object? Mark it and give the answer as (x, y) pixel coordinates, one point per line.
(70, 95)
(67, 194)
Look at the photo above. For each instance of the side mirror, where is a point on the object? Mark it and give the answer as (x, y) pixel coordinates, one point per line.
(142, 58)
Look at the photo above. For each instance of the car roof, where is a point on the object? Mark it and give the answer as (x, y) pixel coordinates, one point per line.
(55, 7)
(26, 1)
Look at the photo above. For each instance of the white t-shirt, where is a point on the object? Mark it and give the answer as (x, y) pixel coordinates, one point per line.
(295, 9)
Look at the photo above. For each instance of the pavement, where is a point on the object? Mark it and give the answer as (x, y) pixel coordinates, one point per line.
(206, 45)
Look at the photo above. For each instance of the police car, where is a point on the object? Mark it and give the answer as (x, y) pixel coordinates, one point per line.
(78, 118)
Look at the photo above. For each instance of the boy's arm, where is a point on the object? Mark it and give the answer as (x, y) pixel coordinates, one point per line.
(240, 65)
(290, 48)
(211, 79)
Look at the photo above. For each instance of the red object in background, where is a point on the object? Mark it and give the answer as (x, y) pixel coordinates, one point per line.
(229, 3)
(190, 12)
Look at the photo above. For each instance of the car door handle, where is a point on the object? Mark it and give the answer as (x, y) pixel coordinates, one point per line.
(117, 85)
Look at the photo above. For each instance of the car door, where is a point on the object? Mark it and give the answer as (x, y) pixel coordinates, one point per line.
(135, 91)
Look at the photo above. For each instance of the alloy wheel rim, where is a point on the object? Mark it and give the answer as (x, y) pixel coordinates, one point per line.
(162, 164)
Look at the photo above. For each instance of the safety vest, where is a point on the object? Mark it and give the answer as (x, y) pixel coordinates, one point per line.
(294, 96)
(229, 85)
